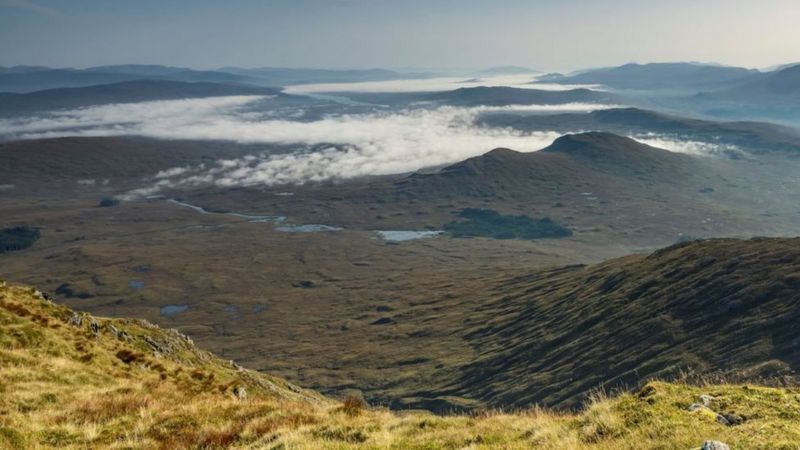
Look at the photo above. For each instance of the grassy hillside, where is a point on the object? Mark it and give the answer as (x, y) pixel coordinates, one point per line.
(75, 381)
(722, 306)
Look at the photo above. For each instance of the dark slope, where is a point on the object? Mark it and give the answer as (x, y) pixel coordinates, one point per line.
(603, 160)
(750, 136)
(29, 81)
(124, 92)
(54, 166)
(490, 96)
(716, 306)
(782, 86)
(500, 96)
(771, 96)
(670, 76)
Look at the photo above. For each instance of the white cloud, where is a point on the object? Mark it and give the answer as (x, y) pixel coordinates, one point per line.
(376, 143)
(433, 85)
(688, 146)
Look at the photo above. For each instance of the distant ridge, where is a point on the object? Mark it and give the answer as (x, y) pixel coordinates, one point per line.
(754, 137)
(681, 75)
(124, 92)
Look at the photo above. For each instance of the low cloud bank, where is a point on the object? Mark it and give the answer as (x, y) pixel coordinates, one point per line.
(688, 146)
(334, 147)
(434, 85)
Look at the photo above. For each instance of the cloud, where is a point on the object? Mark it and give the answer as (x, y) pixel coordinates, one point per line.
(433, 85)
(333, 147)
(688, 146)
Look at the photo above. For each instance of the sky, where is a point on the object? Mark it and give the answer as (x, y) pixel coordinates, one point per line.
(548, 35)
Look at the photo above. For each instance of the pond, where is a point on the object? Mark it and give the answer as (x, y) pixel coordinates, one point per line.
(173, 310)
(406, 235)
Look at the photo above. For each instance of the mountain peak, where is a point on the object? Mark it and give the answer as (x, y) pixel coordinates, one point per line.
(595, 143)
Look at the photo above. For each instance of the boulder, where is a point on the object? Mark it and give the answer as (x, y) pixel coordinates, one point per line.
(715, 445)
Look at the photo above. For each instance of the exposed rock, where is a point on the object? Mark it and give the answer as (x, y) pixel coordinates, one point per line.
(240, 392)
(706, 400)
(733, 419)
(648, 391)
(94, 327)
(695, 406)
(715, 445)
(120, 334)
(157, 346)
(76, 320)
(723, 420)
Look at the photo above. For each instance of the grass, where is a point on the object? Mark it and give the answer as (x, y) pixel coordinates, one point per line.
(127, 395)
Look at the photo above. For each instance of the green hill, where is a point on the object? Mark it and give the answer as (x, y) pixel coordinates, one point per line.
(71, 380)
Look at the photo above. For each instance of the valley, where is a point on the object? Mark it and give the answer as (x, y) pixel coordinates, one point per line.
(373, 258)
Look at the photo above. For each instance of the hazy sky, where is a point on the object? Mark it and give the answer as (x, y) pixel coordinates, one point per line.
(543, 34)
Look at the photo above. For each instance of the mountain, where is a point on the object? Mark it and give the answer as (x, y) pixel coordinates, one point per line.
(552, 336)
(773, 96)
(29, 81)
(501, 96)
(138, 69)
(752, 137)
(22, 69)
(781, 86)
(504, 70)
(488, 96)
(124, 92)
(72, 380)
(603, 161)
(285, 76)
(659, 76)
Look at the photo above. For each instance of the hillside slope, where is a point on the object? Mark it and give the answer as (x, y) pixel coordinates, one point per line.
(12, 104)
(718, 306)
(74, 381)
(752, 137)
(659, 76)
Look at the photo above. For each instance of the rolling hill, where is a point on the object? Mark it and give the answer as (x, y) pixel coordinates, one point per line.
(659, 76)
(12, 104)
(752, 137)
(781, 87)
(708, 307)
(604, 161)
(30, 81)
(71, 380)
(489, 96)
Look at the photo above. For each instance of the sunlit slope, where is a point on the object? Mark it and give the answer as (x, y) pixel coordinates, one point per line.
(74, 381)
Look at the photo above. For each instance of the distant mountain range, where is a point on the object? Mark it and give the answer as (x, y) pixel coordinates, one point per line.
(489, 96)
(124, 92)
(782, 86)
(658, 76)
(22, 79)
(752, 136)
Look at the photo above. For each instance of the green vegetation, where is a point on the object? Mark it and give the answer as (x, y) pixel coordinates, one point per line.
(17, 238)
(489, 223)
(74, 381)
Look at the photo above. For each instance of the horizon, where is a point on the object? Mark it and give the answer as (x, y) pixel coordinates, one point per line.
(445, 35)
(433, 71)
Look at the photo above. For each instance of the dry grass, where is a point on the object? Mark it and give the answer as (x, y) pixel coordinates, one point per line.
(52, 398)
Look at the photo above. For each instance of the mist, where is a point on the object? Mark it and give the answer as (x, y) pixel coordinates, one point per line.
(339, 146)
